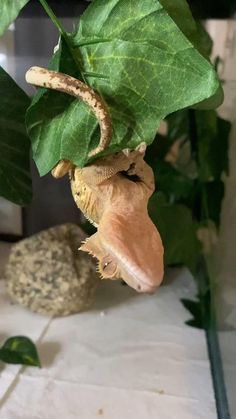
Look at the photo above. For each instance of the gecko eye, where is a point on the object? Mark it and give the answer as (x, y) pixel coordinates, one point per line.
(107, 266)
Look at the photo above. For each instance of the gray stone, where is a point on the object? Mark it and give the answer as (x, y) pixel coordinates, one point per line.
(47, 273)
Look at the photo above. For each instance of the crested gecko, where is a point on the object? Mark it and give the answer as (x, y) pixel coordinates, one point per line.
(113, 193)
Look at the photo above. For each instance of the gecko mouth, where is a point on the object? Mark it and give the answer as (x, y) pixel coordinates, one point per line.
(133, 178)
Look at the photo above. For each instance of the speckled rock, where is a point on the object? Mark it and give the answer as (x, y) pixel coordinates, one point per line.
(47, 273)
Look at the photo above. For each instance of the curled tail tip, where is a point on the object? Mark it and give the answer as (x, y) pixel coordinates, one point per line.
(95, 151)
(32, 74)
(28, 74)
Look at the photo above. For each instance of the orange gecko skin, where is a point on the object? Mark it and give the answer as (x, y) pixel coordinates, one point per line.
(113, 194)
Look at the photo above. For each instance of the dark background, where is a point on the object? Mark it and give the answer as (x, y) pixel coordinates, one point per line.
(69, 8)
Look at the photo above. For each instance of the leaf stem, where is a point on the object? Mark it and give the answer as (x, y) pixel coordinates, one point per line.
(205, 209)
(53, 18)
(63, 34)
(193, 133)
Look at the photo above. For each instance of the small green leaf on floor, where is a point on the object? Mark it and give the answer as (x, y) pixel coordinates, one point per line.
(19, 350)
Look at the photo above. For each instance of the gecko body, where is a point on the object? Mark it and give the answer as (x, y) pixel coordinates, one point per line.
(113, 193)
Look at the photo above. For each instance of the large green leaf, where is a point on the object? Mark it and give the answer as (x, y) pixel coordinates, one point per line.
(177, 230)
(180, 12)
(15, 181)
(9, 10)
(139, 60)
(19, 350)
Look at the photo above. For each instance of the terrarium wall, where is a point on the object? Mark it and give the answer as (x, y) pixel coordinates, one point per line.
(224, 35)
(52, 203)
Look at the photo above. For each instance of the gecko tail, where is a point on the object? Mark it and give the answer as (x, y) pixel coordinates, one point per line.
(64, 83)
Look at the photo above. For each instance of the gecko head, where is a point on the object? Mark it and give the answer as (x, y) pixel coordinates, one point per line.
(129, 251)
(108, 265)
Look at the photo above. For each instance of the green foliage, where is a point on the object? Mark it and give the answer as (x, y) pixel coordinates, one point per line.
(194, 307)
(172, 181)
(192, 183)
(19, 350)
(15, 181)
(180, 12)
(9, 10)
(202, 310)
(177, 229)
(178, 126)
(214, 197)
(138, 59)
(213, 133)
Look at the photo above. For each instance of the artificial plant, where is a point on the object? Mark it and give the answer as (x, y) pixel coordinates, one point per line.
(19, 350)
(147, 60)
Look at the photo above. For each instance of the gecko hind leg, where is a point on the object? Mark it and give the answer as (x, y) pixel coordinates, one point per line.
(62, 168)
